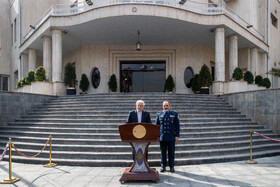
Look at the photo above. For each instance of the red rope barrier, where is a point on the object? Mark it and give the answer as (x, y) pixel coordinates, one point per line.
(33, 155)
(267, 137)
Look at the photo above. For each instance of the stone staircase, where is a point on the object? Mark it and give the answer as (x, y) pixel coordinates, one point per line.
(85, 130)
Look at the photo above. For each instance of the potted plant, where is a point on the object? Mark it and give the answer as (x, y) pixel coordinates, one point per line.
(249, 77)
(113, 83)
(195, 84)
(169, 84)
(259, 80)
(30, 77)
(266, 82)
(205, 79)
(84, 84)
(40, 74)
(237, 74)
(70, 78)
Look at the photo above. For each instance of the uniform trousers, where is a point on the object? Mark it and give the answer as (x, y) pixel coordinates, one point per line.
(170, 146)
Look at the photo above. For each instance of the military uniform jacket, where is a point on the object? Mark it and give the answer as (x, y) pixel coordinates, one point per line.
(169, 125)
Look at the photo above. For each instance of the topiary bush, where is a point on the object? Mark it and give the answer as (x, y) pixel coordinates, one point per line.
(205, 77)
(195, 83)
(113, 83)
(40, 74)
(19, 84)
(266, 82)
(84, 83)
(70, 78)
(30, 77)
(258, 80)
(249, 77)
(169, 84)
(24, 81)
(237, 74)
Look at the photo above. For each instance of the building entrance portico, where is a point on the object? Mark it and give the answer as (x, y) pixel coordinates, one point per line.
(142, 76)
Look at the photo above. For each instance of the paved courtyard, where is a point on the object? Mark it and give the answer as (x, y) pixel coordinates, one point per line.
(265, 173)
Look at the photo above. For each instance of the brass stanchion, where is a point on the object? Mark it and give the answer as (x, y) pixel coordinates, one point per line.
(50, 165)
(251, 161)
(10, 180)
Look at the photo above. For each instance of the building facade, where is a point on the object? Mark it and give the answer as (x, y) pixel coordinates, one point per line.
(175, 38)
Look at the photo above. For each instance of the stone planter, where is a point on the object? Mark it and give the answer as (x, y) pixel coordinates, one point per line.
(45, 88)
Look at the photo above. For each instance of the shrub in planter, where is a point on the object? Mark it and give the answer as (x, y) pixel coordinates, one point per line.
(30, 77)
(40, 74)
(113, 83)
(169, 84)
(70, 78)
(249, 77)
(84, 83)
(205, 77)
(258, 80)
(237, 74)
(266, 82)
(195, 83)
(19, 84)
(70, 75)
(24, 81)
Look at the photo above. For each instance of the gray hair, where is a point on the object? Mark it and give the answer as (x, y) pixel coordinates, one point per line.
(140, 101)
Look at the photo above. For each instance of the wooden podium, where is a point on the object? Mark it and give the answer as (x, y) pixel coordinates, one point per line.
(139, 135)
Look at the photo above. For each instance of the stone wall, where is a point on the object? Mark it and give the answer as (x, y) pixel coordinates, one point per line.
(262, 106)
(13, 105)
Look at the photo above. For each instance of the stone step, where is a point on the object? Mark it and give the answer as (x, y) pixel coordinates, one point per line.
(151, 162)
(50, 124)
(153, 154)
(116, 135)
(96, 120)
(104, 141)
(115, 130)
(124, 115)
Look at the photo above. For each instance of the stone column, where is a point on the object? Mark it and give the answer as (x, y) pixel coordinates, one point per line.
(254, 61)
(24, 65)
(32, 58)
(57, 78)
(218, 84)
(233, 54)
(47, 56)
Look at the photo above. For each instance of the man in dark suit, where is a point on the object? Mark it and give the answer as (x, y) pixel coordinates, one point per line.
(139, 116)
(169, 134)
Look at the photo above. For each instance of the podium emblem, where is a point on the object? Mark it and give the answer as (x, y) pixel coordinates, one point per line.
(139, 131)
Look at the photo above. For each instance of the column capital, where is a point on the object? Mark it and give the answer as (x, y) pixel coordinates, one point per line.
(56, 30)
(233, 35)
(46, 36)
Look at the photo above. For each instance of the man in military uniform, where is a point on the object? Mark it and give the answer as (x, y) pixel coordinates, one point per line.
(169, 134)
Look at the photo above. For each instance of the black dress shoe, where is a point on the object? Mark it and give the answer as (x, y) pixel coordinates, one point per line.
(162, 170)
(172, 170)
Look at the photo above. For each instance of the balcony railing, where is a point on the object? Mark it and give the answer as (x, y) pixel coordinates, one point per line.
(191, 6)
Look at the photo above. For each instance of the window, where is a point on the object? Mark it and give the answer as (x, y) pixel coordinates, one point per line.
(4, 83)
(274, 21)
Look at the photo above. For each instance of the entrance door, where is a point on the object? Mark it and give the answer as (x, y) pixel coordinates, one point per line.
(142, 76)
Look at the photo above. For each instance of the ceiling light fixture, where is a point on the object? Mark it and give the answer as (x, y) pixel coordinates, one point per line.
(138, 43)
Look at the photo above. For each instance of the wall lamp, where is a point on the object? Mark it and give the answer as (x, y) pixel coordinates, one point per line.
(249, 26)
(182, 2)
(138, 43)
(89, 2)
(32, 27)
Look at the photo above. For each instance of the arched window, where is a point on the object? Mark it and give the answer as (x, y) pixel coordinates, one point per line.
(188, 76)
(95, 77)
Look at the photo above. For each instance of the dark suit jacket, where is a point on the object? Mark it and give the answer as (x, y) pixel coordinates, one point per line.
(132, 117)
